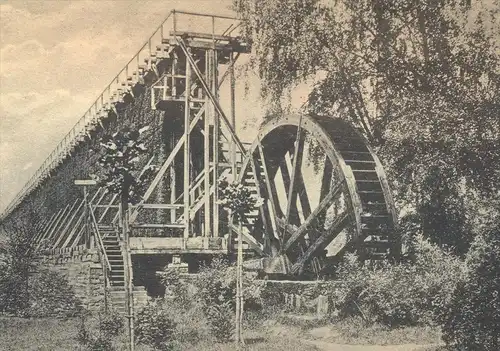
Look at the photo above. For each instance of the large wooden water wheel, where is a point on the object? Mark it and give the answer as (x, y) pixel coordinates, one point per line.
(324, 191)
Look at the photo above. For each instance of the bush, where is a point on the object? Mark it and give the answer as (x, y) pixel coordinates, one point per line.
(215, 285)
(49, 295)
(100, 339)
(473, 319)
(209, 297)
(402, 294)
(154, 326)
(110, 324)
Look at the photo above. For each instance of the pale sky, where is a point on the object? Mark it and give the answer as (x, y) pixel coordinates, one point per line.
(56, 57)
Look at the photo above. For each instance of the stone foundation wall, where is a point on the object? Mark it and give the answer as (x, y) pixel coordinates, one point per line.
(85, 275)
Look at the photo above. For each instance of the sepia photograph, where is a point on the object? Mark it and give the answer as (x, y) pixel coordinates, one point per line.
(224, 175)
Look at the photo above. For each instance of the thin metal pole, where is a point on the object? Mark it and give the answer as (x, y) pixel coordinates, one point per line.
(233, 115)
(239, 285)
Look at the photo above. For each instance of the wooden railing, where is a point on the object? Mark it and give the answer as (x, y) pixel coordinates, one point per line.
(100, 246)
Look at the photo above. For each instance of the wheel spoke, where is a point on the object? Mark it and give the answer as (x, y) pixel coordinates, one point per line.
(271, 193)
(329, 198)
(322, 241)
(263, 211)
(296, 163)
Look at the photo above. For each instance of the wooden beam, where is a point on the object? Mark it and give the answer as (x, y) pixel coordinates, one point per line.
(233, 111)
(206, 159)
(212, 96)
(56, 224)
(198, 44)
(302, 193)
(44, 235)
(73, 230)
(105, 212)
(285, 176)
(80, 219)
(250, 240)
(187, 34)
(296, 164)
(160, 206)
(68, 223)
(156, 225)
(264, 209)
(187, 150)
(52, 235)
(336, 228)
(323, 205)
(165, 166)
(79, 236)
(45, 227)
(271, 193)
(216, 113)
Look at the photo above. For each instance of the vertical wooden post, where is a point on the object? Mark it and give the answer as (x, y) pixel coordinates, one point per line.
(87, 218)
(206, 155)
(173, 193)
(129, 298)
(213, 87)
(187, 145)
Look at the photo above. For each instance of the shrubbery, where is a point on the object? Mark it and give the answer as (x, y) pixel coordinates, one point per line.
(42, 294)
(51, 295)
(155, 326)
(473, 319)
(408, 293)
(103, 329)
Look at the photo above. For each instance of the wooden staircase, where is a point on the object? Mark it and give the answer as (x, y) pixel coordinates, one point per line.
(117, 275)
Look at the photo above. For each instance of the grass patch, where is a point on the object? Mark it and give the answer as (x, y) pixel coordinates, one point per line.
(48, 334)
(355, 331)
(267, 343)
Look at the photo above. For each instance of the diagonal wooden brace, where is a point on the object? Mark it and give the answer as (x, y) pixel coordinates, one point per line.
(210, 95)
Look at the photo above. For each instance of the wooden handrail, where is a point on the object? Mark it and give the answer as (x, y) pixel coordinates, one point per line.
(99, 241)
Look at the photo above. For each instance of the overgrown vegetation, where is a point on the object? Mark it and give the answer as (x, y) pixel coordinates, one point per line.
(155, 326)
(472, 321)
(25, 289)
(406, 294)
(98, 333)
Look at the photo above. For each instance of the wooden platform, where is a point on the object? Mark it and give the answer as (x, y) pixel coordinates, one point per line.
(178, 245)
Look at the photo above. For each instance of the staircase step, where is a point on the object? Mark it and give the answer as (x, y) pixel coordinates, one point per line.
(371, 185)
(357, 164)
(365, 174)
(371, 196)
(357, 155)
(375, 210)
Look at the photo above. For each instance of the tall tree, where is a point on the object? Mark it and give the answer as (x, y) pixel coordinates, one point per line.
(421, 80)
